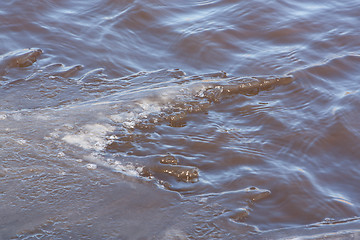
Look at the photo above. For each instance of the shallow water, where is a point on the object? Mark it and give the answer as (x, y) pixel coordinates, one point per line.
(166, 120)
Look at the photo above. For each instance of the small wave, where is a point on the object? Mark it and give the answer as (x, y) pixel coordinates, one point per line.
(102, 122)
(105, 121)
(141, 108)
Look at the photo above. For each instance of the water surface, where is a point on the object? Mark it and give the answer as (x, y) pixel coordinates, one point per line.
(166, 120)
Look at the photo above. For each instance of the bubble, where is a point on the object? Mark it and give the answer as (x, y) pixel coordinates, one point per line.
(91, 166)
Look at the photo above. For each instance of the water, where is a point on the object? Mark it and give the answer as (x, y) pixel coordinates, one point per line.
(167, 120)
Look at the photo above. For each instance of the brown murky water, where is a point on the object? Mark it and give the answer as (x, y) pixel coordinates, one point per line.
(166, 120)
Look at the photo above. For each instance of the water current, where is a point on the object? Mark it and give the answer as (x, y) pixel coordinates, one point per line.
(206, 119)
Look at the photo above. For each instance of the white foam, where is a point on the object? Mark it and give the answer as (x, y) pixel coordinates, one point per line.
(149, 106)
(43, 116)
(91, 166)
(91, 136)
(128, 168)
(141, 110)
(61, 154)
(128, 119)
(21, 141)
(129, 124)
(95, 159)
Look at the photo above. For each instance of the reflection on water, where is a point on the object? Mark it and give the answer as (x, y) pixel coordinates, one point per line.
(198, 120)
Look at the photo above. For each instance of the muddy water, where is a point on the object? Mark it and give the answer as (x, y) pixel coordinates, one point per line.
(165, 120)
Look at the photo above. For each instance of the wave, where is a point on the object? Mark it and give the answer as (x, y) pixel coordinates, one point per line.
(103, 121)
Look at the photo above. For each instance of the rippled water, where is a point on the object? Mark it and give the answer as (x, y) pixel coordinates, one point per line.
(166, 120)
